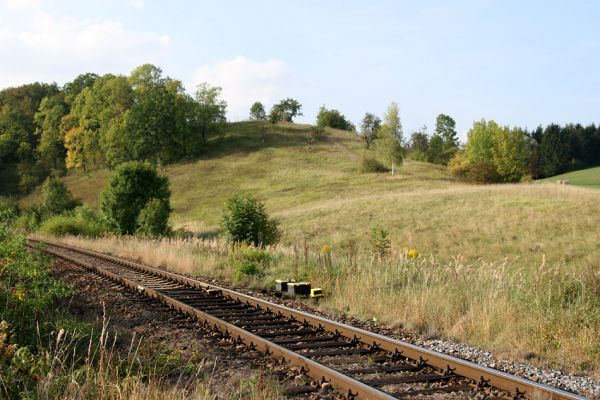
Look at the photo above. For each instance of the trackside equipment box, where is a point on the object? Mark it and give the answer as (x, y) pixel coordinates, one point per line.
(298, 288)
(315, 293)
(281, 285)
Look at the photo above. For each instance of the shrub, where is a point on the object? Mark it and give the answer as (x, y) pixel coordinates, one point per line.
(153, 220)
(333, 119)
(9, 204)
(81, 222)
(371, 165)
(459, 166)
(483, 172)
(245, 268)
(129, 190)
(30, 219)
(380, 243)
(56, 198)
(245, 220)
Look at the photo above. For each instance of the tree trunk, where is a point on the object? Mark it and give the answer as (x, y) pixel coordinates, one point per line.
(393, 168)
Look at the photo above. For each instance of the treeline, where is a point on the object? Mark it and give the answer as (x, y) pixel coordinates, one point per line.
(495, 153)
(102, 121)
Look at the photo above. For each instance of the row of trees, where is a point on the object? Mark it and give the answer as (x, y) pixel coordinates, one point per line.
(495, 153)
(102, 121)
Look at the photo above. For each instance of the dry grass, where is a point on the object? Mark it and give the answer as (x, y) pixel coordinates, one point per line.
(141, 373)
(554, 312)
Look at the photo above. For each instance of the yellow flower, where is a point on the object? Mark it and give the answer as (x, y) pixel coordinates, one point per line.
(413, 253)
(20, 295)
(326, 249)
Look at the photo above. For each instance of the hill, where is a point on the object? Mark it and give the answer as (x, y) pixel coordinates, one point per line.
(319, 195)
(589, 178)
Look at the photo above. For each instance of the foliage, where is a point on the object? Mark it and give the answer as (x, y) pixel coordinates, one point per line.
(80, 222)
(9, 204)
(288, 109)
(380, 242)
(459, 166)
(389, 141)
(369, 128)
(153, 220)
(55, 198)
(257, 112)
(483, 172)
(28, 292)
(445, 127)
(369, 165)
(210, 110)
(490, 146)
(129, 190)
(333, 119)
(245, 220)
(244, 268)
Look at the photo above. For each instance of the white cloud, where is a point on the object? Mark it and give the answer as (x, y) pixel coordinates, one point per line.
(22, 4)
(52, 48)
(245, 81)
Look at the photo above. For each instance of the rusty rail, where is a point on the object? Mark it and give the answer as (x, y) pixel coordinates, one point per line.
(480, 375)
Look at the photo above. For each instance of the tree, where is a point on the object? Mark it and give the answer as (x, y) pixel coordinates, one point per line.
(445, 127)
(275, 116)
(133, 185)
(496, 153)
(389, 148)
(333, 119)
(51, 147)
(245, 220)
(211, 110)
(289, 109)
(389, 142)
(153, 220)
(555, 153)
(257, 112)
(419, 141)
(435, 150)
(391, 121)
(509, 154)
(369, 128)
(55, 198)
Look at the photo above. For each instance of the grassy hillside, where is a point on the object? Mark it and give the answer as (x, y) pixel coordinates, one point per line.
(320, 195)
(514, 267)
(589, 178)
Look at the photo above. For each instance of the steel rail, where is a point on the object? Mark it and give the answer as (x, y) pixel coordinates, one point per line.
(485, 376)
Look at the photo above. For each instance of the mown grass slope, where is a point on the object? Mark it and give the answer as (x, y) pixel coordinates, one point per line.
(589, 178)
(319, 195)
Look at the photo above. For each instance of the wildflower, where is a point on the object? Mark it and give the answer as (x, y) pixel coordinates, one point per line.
(326, 249)
(413, 253)
(20, 295)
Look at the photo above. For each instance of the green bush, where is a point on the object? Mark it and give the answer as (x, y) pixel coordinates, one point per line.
(129, 190)
(370, 165)
(81, 222)
(483, 172)
(30, 219)
(244, 268)
(9, 204)
(153, 220)
(56, 198)
(246, 221)
(380, 243)
(28, 293)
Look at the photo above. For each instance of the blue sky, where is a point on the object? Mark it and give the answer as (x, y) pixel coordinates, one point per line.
(518, 62)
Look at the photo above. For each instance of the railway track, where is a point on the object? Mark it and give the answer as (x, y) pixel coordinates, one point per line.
(357, 363)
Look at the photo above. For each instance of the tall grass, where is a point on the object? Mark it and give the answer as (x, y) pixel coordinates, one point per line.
(550, 310)
(73, 366)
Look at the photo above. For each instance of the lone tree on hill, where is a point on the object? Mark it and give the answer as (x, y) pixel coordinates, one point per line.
(136, 194)
(369, 128)
(288, 109)
(257, 112)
